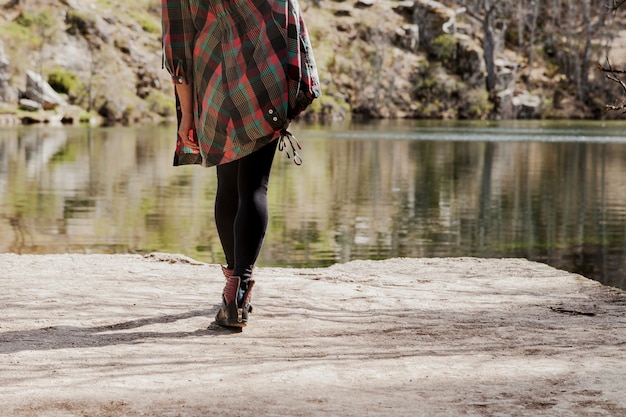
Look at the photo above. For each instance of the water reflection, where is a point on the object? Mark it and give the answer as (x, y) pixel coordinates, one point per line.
(551, 192)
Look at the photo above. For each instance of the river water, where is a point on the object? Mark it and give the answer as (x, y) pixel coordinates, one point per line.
(553, 192)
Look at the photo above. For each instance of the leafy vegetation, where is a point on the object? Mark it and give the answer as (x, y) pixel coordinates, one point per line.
(63, 81)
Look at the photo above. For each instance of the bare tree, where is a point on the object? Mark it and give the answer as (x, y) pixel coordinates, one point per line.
(492, 16)
(486, 13)
(583, 58)
(536, 4)
(527, 16)
(614, 74)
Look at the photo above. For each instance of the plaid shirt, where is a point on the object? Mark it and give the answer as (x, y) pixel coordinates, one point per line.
(252, 68)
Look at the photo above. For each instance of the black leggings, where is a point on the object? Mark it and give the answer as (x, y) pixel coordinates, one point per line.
(241, 213)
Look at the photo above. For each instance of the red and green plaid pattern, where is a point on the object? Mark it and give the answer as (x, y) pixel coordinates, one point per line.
(252, 68)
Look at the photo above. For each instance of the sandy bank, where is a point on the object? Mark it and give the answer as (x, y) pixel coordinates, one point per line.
(98, 335)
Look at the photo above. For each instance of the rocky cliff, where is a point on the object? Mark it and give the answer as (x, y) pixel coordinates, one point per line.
(377, 59)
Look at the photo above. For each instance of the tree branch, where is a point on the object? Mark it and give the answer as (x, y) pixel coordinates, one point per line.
(612, 74)
(618, 81)
(617, 4)
(471, 13)
(610, 69)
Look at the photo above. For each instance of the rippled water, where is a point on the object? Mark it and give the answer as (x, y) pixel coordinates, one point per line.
(554, 192)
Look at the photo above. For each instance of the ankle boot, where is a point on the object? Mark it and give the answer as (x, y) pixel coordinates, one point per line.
(235, 303)
(227, 272)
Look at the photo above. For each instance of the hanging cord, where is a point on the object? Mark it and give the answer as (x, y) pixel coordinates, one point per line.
(287, 136)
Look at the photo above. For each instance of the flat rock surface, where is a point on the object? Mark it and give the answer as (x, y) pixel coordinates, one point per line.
(126, 335)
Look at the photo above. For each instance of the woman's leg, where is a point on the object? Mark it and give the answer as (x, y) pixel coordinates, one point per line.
(252, 215)
(241, 208)
(226, 204)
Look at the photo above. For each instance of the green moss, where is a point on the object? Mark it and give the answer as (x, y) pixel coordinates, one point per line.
(147, 22)
(43, 19)
(28, 28)
(443, 47)
(13, 31)
(63, 81)
(85, 117)
(478, 105)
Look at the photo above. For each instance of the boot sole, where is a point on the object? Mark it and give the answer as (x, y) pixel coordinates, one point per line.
(231, 325)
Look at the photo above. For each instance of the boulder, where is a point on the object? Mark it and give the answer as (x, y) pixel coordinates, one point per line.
(29, 105)
(519, 105)
(364, 4)
(527, 106)
(39, 90)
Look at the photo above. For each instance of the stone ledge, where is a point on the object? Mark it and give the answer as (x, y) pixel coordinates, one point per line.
(113, 335)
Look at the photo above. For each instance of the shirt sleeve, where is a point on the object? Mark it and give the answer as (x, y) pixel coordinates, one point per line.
(178, 37)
